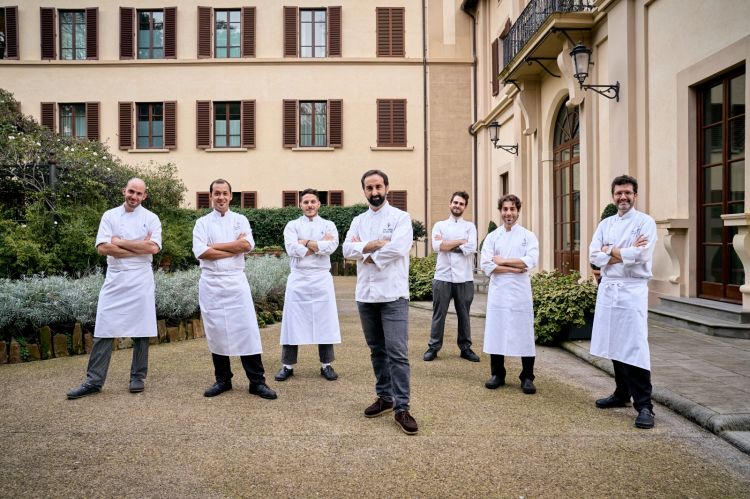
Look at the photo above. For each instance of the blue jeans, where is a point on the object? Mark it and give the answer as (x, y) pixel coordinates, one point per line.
(386, 329)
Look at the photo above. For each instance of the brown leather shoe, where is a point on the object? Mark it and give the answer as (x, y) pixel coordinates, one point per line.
(378, 407)
(407, 423)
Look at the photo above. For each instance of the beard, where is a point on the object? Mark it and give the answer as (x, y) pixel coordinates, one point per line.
(376, 200)
(457, 212)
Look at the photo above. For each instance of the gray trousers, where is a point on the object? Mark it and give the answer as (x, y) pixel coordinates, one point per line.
(386, 329)
(462, 294)
(289, 354)
(101, 353)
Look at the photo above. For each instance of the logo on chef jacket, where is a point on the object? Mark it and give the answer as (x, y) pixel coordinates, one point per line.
(388, 231)
(524, 242)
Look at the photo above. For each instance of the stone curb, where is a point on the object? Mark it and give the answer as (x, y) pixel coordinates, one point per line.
(731, 427)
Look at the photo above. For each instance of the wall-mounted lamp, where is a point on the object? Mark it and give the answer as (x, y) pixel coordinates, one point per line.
(494, 129)
(581, 56)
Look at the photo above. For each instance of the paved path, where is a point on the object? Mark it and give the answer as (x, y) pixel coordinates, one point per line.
(704, 378)
(170, 441)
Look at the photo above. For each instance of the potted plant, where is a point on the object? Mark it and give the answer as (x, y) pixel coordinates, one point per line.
(563, 306)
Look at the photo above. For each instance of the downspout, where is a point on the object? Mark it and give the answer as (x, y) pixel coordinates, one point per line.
(425, 137)
(466, 6)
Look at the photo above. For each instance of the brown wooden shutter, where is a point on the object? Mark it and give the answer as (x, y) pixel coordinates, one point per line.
(202, 200)
(92, 121)
(125, 110)
(391, 122)
(170, 125)
(47, 28)
(48, 115)
(399, 123)
(495, 67)
(390, 31)
(249, 199)
(11, 32)
(397, 199)
(289, 198)
(248, 31)
(248, 123)
(92, 33)
(336, 123)
(204, 32)
(290, 31)
(334, 31)
(397, 33)
(336, 198)
(170, 32)
(203, 124)
(127, 33)
(289, 132)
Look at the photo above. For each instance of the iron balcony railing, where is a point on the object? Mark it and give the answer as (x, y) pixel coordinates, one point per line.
(532, 18)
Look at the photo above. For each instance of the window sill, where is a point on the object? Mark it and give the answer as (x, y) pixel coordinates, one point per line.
(405, 148)
(311, 149)
(149, 150)
(226, 149)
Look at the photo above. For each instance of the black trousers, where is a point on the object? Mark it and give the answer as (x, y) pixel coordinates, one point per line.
(462, 294)
(289, 353)
(497, 366)
(633, 382)
(252, 364)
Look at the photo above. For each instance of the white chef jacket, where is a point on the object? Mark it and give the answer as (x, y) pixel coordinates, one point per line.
(310, 316)
(224, 296)
(387, 279)
(509, 324)
(620, 330)
(455, 266)
(126, 306)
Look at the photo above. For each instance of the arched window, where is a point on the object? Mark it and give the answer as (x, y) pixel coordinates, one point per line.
(567, 183)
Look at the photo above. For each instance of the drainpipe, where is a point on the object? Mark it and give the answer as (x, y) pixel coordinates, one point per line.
(467, 6)
(424, 126)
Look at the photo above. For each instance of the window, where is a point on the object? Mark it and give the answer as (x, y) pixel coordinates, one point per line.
(227, 37)
(504, 184)
(233, 124)
(73, 120)
(313, 123)
(312, 32)
(72, 34)
(391, 125)
(202, 200)
(226, 33)
(566, 171)
(397, 199)
(150, 126)
(249, 199)
(9, 28)
(390, 31)
(227, 124)
(327, 198)
(150, 34)
(495, 58)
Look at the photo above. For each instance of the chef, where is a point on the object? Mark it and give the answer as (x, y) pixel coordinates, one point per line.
(508, 253)
(310, 315)
(220, 241)
(129, 236)
(623, 247)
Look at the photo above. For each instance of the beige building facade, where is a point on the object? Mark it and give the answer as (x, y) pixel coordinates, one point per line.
(274, 97)
(677, 123)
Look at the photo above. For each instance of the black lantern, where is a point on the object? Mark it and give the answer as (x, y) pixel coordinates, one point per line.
(494, 129)
(581, 56)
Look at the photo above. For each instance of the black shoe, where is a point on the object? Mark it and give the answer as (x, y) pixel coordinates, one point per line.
(284, 374)
(528, 387)
(218, 388)
(610, 402)
(494, 382)
(645, 419)
(82, 391)
(378, 407)
(328, 373)
(406, 422)
(430, 355)
(136, 386)
(468, 354)
(263, 391)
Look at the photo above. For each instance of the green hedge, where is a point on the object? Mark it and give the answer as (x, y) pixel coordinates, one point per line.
(421, 274)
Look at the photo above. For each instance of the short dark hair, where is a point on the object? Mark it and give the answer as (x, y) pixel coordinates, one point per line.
(624, 180)
(219, 181)
(309, 190)
(370, 173)
(461, 194)
(509, 198)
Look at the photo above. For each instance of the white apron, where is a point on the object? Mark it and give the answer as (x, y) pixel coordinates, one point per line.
(620, 329)
(228, 314)
(126, 306)
(509, 326)
(310, 316)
